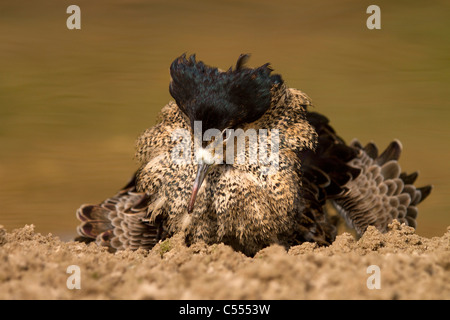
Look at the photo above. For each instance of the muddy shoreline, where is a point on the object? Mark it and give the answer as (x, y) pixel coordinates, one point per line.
(35, 266)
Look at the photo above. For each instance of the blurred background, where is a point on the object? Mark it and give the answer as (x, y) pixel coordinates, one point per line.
(72, 102)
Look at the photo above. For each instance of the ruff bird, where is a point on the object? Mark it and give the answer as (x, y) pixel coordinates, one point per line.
(202, 170)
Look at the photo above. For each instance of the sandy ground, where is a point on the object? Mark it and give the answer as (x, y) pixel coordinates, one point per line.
(34, 266)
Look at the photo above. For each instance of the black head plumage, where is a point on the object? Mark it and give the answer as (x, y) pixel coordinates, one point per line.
(221, 99)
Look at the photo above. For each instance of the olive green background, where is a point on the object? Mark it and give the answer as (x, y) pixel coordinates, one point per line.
(72, 102)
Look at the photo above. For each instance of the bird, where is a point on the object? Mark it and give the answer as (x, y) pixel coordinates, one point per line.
(202, 171)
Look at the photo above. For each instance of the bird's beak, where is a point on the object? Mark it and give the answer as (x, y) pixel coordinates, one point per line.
(202, 171)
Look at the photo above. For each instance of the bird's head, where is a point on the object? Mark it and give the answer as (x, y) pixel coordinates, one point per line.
(220, 100)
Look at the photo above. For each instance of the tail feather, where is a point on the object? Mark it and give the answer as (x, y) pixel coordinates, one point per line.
(89, 212)
(409, 178)
(371, 149)
(92, 229)
(392, 152)
(390, 170)
(424, 192)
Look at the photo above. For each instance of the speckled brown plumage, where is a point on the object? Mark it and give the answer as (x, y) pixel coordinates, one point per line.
(238, 204)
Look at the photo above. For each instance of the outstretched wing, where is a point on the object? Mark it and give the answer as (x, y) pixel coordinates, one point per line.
(121, 222)
(381, 192)
(365, 187)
